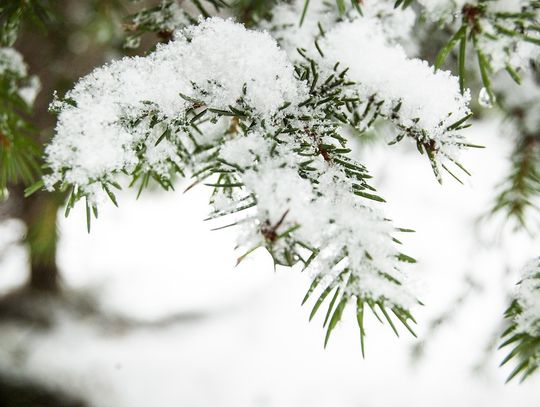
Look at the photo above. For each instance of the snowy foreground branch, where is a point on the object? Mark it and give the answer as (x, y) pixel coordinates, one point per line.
(228, 107)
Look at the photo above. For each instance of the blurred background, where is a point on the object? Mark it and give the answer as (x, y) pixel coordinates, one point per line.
(149, 309)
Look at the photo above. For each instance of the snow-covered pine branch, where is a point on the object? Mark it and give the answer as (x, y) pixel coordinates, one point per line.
(13, 13)
(15, 77)
(225, 105)
(504, 35)
(162, 19)
(523, 316)
(322, 15)
(426, 106)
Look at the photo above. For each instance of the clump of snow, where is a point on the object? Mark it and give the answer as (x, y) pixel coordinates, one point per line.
(428, 101)
(95, 136)
(13, 67)
(29, 91)
(218, 66)
(12, 62)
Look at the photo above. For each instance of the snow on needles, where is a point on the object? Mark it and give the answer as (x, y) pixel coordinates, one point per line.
(357, 252)
(322, 16)
(505, 42)
(223, 98)
(206, 62)
(11, 61)
(438, 9)
(14, 71)
(429, 102)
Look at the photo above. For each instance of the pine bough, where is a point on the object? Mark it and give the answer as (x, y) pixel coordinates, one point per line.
(265, 130)
(523, 316)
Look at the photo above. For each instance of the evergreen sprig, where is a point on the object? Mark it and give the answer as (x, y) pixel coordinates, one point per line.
(19, 152)
(167, 16)
(480, 25)
(521, 187)
(526, 348)
(162, 20)
(523, 332)
(518, 194)
(13, 12)
(342, 6)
